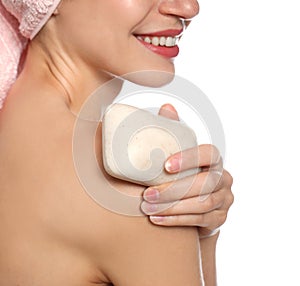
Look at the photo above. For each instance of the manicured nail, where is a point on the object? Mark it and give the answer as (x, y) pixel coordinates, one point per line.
(157, 219)
(151, 195)
(173, 165)
(149, 209)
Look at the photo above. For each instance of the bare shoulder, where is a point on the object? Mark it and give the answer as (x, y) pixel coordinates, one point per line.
(45, 202)
(47, 219)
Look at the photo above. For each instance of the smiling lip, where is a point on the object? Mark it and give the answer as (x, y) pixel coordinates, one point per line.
(167, 39)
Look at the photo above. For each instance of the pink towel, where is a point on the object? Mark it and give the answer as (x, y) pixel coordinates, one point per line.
(20, 20)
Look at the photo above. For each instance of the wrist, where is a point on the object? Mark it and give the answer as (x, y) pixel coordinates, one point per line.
(209, 234)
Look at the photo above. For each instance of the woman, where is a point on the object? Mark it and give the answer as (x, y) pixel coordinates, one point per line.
(52, 233)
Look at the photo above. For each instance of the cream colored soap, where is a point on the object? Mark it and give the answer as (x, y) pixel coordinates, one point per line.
(136, 144)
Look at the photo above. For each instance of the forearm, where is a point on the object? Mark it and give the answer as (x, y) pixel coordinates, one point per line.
(208, 257)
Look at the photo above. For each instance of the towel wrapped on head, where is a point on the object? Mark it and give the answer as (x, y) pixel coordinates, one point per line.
(20, 21)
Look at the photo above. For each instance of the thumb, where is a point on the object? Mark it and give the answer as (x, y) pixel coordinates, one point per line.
(168, 111)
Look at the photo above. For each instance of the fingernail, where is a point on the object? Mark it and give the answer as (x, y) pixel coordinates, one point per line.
(151, 195)
(157, 219)
(149, 208)
(173, 165)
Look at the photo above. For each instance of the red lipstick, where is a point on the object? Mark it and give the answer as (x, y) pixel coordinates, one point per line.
(169, 52)
(163, 43)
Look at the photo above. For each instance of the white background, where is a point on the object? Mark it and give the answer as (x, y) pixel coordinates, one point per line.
(245, 56)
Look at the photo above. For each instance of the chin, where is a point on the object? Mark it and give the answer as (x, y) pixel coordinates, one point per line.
(151, 78)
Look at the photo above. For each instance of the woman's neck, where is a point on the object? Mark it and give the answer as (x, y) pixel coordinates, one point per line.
(63, 76)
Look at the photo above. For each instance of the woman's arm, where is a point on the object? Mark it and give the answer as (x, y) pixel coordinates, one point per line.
(208, 259)
(144, 254)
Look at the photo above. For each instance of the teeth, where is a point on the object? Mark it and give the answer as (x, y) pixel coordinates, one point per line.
(160, 41)
(147, 40)
(169, 42)
(155, 41)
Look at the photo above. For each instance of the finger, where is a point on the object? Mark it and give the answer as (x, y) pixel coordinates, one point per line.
(229, 199)
(212, 220)
(226, 180)
(169, 111)
(202, 183)
(187, 206)
(218, 167)
(201, 156)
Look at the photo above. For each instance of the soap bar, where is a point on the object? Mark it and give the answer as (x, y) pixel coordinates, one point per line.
(136, 144)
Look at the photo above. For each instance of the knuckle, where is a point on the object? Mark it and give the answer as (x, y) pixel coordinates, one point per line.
(227, 177)
(211, 201)
(222, 218)
(211, 182)
(216, 179)
(231, 198)
(209, 204)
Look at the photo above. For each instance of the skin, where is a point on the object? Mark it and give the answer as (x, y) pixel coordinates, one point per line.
(52, 233)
